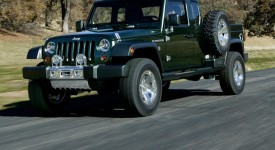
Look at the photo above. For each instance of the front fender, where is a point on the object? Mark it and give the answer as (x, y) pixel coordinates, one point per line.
(35, 53)
(124, 48)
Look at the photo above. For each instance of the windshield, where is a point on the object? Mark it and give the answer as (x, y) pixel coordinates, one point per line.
(125, 14)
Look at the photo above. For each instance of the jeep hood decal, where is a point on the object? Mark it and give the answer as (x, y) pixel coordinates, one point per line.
(114, 35)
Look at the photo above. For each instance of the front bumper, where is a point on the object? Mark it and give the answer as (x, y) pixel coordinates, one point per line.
(99, 72)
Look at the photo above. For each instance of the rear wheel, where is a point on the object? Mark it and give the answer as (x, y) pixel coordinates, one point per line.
(46, 99)
(142, 89)
(232, 79)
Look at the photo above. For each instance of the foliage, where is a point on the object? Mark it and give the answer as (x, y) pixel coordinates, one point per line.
(48, 13)
(13, 13)
(261, 21)
(235, 9)
(51, 13)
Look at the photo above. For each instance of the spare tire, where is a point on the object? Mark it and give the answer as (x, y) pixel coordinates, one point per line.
(215, 33)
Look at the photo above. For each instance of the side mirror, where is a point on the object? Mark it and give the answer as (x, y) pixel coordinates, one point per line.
(173, 20)
(80, 25)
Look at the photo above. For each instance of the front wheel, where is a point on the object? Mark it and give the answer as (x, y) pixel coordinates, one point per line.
(232, 79)
(46, 99)
(142, 89)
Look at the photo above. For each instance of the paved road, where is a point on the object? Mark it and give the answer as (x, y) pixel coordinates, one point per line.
(194, 115)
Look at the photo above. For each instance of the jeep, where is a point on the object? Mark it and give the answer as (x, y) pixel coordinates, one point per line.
(135, 48)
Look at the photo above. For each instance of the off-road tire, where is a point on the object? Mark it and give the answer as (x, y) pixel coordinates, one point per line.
(46, 99)
(214, 34)
(232, 79)
(133, 87)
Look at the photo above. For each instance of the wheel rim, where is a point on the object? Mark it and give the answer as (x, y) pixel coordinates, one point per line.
(223, 34)
(148, 88)
(56, 98)
(238, 73)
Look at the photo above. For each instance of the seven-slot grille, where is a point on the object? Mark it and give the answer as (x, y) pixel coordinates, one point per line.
(69, 50)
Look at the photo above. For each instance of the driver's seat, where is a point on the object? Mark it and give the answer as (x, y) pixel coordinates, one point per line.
(133, 14)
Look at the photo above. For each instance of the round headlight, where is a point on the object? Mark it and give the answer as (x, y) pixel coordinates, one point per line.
(104, 45)
(56, 60)
(50, 47)
(81, 60)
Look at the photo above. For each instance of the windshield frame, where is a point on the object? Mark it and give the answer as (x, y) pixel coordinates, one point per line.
(123, 25)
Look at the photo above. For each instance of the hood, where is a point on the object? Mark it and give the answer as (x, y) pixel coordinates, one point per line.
(113, 35)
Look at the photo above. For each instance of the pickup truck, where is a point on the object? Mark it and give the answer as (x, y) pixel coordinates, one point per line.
(135, 48)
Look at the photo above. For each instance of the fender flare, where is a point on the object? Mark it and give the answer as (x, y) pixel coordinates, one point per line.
(127, 49)
(35, 53)
(238, 45)
(237, 42)
(124, 48)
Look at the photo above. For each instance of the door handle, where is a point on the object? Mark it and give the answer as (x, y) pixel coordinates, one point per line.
(189, 35)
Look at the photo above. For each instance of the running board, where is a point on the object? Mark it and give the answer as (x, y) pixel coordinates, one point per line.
(189, 73)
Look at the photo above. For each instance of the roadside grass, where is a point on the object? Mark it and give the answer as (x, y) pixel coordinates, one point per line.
(12, 99)
(12, 60)
(260, 59)
(11, 79)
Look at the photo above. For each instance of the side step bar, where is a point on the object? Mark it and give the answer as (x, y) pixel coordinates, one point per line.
(189, 73)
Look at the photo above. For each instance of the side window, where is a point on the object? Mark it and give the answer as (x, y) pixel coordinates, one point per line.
(121, 15)
(195, 10)
(178, 8)
(102, 15)
(151, 13)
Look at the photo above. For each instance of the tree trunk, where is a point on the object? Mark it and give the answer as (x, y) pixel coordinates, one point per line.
(48, 11)
(66, 10)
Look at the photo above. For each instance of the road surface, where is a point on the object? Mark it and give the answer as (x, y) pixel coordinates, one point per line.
(194, 115)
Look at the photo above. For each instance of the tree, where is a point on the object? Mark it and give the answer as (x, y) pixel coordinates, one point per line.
(14, 13)
(49, 11)
(246, 5)
(261, 21)
(229, 6)
(86, 5)
(65, 14)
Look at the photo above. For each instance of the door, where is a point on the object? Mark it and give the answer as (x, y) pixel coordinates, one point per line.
(195, 22)
(179, 39)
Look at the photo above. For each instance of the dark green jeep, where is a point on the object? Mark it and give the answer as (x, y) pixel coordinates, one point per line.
(135, 48)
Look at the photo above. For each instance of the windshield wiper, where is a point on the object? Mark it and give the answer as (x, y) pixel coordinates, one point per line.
(123, 26)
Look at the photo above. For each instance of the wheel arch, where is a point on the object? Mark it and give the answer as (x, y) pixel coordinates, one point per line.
(123, 52)
(150, 53)
(35, 53)
(236, 45)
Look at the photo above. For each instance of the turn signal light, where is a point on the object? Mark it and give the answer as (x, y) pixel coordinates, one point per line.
(132, 50)
(47, 60)
(104, 58)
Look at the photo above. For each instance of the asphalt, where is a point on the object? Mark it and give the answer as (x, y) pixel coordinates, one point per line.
(193, 115)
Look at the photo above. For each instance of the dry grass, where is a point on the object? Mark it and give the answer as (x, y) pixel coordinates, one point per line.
(261, 59)
(14, 48)
(12, 97)
(12, 59)
(259, 43)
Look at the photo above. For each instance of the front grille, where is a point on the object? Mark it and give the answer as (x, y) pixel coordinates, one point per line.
(69, 50)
